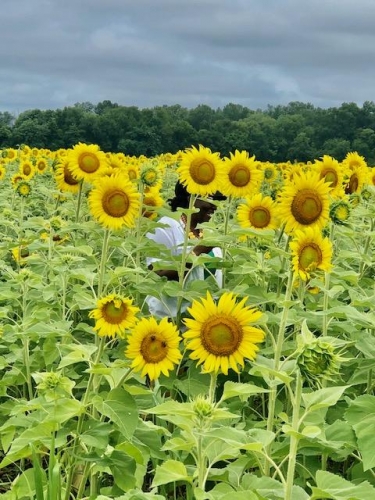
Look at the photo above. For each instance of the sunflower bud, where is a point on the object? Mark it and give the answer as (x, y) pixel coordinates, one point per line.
(318, 362)
(202, 407)
(149, 175)
(339, 212)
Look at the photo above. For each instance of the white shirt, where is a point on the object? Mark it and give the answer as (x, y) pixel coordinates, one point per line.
(172, 237)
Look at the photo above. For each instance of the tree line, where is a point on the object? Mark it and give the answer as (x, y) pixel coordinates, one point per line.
(295, 132)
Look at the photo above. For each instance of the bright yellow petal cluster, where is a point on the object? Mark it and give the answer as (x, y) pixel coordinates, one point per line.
(114, 202)
(113, 315)
(310, 251)
(154, 347)
(304, 202)
(242, 176)
(201, 171)
(220, 335)
(86, 161)
(259, 212)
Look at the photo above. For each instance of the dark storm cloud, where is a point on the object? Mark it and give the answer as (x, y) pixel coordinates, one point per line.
(154, 52)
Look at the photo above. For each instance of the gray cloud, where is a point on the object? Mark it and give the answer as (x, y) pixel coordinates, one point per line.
(188, 52)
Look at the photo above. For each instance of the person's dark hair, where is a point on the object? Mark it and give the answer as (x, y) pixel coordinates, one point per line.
(182, 197)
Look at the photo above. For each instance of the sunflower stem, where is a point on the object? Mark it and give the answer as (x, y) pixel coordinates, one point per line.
(138, 235)
(294, 439)
(79, 200)
(181, 275)
(81, 418)
(212, 389)
(226, 226)
(366, 247)
(276, 363)
(327, 276)
(103, 261)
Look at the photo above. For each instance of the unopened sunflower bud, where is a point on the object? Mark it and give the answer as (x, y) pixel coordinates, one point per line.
(318, 361)
(202, 407)
(339, 212)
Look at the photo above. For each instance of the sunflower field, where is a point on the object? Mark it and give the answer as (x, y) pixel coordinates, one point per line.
(258, 387)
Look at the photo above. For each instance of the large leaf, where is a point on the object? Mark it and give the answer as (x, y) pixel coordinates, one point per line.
(361, 415)
(336, 488)
(119, 407)
(323, 398)
(169, 472)
(243, 391)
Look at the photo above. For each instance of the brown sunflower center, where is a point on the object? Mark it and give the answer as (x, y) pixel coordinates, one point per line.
(26, 169)
(154, 348)
(239, 176)
(259, 217)
(221, 335)
(310, 256)
(114, 315)
(89, 163)
(202, 171)
(68, 178)
(353, 184)
(306, 206)
(330, 176)
(115, 203)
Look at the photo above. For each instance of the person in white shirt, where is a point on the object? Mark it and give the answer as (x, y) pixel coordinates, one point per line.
(171, 234)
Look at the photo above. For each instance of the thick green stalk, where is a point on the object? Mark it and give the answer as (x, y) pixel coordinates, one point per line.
(294, 439)
(326, 288)
(277, 360)
(79, 201)
(226, 227)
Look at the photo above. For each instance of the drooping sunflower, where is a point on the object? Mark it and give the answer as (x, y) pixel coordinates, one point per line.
(304, 202)
(16, 178)
(113, 315)
(154, 347)
(114, 202)
(242, 176)
(64, 178)
(331, 171)
(310, 251)
(220, 335)
(356, 178)
(86, 161)
(201, 171)
(259, 212)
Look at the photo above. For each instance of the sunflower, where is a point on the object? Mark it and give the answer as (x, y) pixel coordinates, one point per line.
(340, 211)
(150, 174)
(86, 161)
(114, 202)
(269, 171)
(64, 178)
(113, 315)
(356, 178)
(201, 171)
(310, 251)
(220, 335)
(241, 175)
(259, 212)
(27, 169)
(154, 347)
(304, 202)
(331, 171)
(354, 160)
(23, 188)
(41, 165)
(151, 201)
(2, 172)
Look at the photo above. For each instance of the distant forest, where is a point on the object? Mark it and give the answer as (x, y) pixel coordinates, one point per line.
(296, 132)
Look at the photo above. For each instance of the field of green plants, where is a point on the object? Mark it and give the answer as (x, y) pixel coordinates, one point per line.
(263, 389)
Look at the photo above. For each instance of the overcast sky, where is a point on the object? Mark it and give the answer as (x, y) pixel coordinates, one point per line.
(146, 53)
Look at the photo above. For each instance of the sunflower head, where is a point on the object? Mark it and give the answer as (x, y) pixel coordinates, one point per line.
(86, 161)
(259, 212)
(23, 189)
(339, 212)
(220, 335)
(113, 315)
(154, 347)
(150, 174)
(310, 251)
(114, 202)
(242, 176)
(200, 170)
